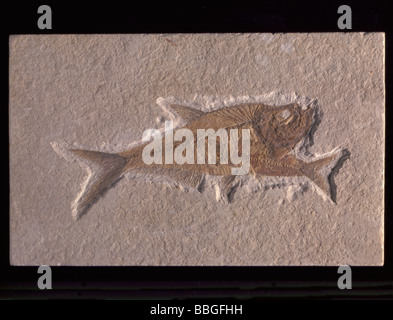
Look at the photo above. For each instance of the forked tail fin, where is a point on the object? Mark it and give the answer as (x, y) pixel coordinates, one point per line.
(104, 170)
(311, 169)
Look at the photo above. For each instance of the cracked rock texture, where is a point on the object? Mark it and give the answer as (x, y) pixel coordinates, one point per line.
(100, 92)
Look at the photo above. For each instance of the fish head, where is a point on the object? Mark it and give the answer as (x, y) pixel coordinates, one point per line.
(285, 126)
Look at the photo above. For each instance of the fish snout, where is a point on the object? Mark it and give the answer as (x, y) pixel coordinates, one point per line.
(309, 108)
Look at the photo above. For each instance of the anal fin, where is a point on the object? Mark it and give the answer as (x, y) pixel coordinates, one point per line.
(185, 177)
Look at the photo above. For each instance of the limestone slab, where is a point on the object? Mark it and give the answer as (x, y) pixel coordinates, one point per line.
(101, 92)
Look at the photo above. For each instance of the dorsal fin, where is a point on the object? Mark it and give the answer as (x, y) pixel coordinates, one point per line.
(186, 113)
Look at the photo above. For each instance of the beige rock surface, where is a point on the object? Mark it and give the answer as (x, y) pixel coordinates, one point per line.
(101, 92)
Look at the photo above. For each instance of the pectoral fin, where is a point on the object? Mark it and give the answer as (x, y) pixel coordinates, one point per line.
(279, 152)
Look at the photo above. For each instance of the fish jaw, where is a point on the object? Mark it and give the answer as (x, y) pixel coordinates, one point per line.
(290, 166)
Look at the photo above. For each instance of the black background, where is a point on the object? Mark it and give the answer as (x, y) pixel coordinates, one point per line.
(193, 282)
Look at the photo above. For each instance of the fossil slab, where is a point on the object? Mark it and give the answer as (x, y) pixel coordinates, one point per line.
(313, 192)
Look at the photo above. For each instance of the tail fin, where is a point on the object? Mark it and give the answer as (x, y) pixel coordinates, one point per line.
(104, 170)
(311, 169)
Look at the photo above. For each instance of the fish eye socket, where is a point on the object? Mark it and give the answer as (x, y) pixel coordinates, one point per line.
(283, 115)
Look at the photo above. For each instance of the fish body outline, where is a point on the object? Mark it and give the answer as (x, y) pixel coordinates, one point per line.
(274, 133)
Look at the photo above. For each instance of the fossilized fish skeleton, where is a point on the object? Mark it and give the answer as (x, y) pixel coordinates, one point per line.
(274, 133)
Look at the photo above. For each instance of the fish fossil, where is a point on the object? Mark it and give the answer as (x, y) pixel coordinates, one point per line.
(274, 133)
